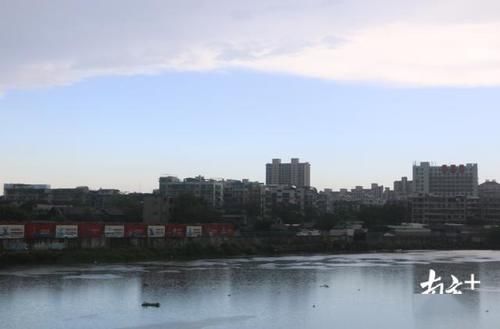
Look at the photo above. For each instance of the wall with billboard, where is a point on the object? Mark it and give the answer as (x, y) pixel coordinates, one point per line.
(66, 231)
(156, 231)
(11, 231)
(114, 231)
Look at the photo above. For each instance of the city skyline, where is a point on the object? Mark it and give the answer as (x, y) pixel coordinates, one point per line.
(391, 185)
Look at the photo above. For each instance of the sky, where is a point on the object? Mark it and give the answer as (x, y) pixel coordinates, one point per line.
(115, 94)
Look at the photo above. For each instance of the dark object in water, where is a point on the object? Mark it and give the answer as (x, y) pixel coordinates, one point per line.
(324, 286)
(150, 304)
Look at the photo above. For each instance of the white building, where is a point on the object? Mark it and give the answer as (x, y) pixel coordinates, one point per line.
(294, 173)
(446, 180)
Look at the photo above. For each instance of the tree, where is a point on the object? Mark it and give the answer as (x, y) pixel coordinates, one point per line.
(377, 217)
(8, 213)
(190, 209)
(288, 213)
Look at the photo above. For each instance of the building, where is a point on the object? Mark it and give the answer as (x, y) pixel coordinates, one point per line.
(489, 196)
(403, 188)
(156, 209)
(294, 173)
(444, 194)
(298, 199)
(103, 198)
(243, 196)
(446, 180)
(78, 196)
(440, 209)
(21, 193)
(209, 190)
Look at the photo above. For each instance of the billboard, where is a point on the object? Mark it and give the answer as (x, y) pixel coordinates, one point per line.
(114, 231)
(193, 231)
(66, 231)
(175, 230)
(11, 231)
(90, 230)
(156, 231)
(40, 230)
(135, 231)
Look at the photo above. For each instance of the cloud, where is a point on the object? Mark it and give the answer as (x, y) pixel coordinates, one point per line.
(428, 43)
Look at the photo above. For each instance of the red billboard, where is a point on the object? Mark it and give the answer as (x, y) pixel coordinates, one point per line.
(135, 230)
(40, 230)
(215, 230)
(90, 230)
(175, 230)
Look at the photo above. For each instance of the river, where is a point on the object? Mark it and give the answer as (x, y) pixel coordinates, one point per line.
(376, 290)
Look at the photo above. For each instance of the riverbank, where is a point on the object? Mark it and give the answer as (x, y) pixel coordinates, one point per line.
(210, 248)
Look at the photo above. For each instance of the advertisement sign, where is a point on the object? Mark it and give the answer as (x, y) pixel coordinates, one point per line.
(11, 231)
(193, 231)
(90, 230)
(135, 231)
(156, 231)
(66, 231)
(114, 231)
(40, 230)
(175, 230)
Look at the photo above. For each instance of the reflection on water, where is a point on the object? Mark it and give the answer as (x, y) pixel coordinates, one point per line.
(368, 290)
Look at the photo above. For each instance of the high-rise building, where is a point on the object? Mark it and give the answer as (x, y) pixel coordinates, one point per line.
(444, 194)
(294, 173)
(446, 180)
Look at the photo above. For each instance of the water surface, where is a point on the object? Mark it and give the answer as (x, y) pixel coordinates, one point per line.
(364, 291)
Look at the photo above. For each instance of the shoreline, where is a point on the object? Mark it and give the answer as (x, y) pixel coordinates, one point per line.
(194, 250)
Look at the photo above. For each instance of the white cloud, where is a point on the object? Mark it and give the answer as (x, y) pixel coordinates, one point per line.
(428, 43)
(453, 55)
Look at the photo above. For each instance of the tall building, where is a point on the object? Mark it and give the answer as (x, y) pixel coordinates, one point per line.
(294, 173)
(452, 180)
(445, 194)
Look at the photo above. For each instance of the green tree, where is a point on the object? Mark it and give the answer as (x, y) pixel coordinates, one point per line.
(378, 217)
(190, 209)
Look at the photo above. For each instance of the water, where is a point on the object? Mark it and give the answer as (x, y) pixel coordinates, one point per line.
(365, 291)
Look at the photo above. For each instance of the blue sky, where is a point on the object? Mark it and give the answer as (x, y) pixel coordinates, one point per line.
(125, 132)
(117, 93)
